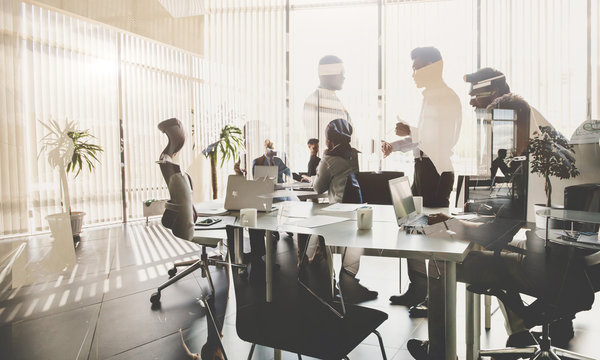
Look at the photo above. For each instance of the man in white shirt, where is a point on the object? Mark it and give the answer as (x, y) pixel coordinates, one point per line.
(432, 142)
(323, 105)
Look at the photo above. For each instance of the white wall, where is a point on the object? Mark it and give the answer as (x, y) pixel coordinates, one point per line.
(143, 17)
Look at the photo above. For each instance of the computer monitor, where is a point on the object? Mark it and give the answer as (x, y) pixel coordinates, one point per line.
(404, 205)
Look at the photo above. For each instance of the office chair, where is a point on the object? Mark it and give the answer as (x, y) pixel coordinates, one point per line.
(179, 215)
(375, 187)
(302, 316)
(544, 311)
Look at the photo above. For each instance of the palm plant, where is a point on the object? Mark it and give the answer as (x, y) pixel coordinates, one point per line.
(551, 155)
(69, 150)
(229, 145)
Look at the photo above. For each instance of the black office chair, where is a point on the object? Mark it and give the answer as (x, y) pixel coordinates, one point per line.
(302, 317)
(375, 186)
(544, 311)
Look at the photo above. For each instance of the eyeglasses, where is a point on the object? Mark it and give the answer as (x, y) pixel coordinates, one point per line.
(482, 94)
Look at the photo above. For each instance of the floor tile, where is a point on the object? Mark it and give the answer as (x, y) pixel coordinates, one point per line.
(67, 335)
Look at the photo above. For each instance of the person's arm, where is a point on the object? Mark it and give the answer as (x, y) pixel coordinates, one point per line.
(322, 180)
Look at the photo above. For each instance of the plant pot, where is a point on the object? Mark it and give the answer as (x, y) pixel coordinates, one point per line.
(540, 221)
(76, 222)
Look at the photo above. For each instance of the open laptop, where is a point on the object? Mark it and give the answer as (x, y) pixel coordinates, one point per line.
(404, 206)
(264, 171)
(242, 193)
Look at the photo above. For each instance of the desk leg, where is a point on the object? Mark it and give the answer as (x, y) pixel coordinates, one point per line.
(269, 265)
(276, 354)
(473, 324)
(450, 280)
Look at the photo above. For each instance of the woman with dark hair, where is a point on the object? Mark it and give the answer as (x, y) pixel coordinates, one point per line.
(339, 161)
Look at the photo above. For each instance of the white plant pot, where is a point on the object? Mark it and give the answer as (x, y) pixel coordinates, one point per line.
(77, 222)
(154, 209)
(540, 221)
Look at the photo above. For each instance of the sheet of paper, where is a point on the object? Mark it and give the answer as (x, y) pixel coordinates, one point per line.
(590, 239)
(339, 207)
(405, 145)
(316, 221)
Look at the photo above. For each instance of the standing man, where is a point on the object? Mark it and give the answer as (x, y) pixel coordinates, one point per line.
(323, 105)
(432, 142)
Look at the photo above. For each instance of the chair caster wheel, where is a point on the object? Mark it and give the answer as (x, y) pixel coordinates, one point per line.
(172, 272)
(155, 298)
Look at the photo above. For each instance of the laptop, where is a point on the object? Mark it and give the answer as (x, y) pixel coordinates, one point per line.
(264, 171)
(242, 193)
(404, 206)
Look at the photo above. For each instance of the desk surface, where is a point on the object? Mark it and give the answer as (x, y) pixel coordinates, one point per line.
(385, 236)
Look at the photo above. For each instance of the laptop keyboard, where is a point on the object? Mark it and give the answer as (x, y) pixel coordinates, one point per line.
(419, 220)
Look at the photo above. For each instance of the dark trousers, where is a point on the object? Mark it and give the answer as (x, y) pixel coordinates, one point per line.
(433, 187)
(435, 190)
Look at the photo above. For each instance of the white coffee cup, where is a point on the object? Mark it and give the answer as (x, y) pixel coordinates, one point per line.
(364, 218)
(418, 200)
(248, 217)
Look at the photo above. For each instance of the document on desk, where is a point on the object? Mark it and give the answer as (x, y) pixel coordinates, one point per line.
(316, 221)
(589, 238)
(340, 207)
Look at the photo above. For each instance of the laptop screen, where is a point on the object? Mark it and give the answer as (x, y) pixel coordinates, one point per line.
(402, 198)
(262, 171)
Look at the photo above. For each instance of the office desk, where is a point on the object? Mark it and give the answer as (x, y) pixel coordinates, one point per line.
(384, 239)
(387, 239)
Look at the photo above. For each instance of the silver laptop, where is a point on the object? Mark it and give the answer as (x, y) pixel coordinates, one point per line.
(242, 193)
(404, 206)
(264, 171)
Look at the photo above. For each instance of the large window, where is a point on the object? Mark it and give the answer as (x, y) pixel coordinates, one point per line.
(316, 32)
(258, 67)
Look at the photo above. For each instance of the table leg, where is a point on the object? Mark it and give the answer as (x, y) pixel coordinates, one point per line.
(276, 354)
(269, 265)
(450, 282)
(473, 324)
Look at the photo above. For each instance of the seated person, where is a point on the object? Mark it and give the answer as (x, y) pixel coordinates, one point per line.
(537, 274)
(270, 159)
(499, 163)
(338, 162)
(313, 147)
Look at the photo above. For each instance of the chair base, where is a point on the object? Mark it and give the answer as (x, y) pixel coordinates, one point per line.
(536, 353)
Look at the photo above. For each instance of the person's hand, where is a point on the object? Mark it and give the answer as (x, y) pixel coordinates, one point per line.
(436, 218)
(386, 148)
(305, 178)
(402, 129)
(237, 169)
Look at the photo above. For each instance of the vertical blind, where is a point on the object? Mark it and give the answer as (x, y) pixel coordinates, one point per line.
(247, 39)
(57, 66)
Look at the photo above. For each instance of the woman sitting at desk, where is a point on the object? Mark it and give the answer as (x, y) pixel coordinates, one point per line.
(338, 162)
(270, 159)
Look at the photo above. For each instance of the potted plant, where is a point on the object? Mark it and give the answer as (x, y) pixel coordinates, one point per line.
(69, 150)
(228, 146)
(551, 155)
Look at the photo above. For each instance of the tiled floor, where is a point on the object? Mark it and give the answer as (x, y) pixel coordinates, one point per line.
(99, 308)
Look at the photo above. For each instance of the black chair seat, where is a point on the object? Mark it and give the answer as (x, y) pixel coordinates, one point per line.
(311, 330)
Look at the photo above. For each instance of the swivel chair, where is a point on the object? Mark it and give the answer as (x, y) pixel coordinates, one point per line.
(544, 311)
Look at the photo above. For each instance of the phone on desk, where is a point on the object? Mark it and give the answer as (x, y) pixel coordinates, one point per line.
(207, 222)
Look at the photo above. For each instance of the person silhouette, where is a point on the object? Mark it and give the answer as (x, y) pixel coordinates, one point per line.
(323, 105)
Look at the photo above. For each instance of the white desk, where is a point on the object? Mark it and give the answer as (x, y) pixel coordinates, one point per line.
(384, 239)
